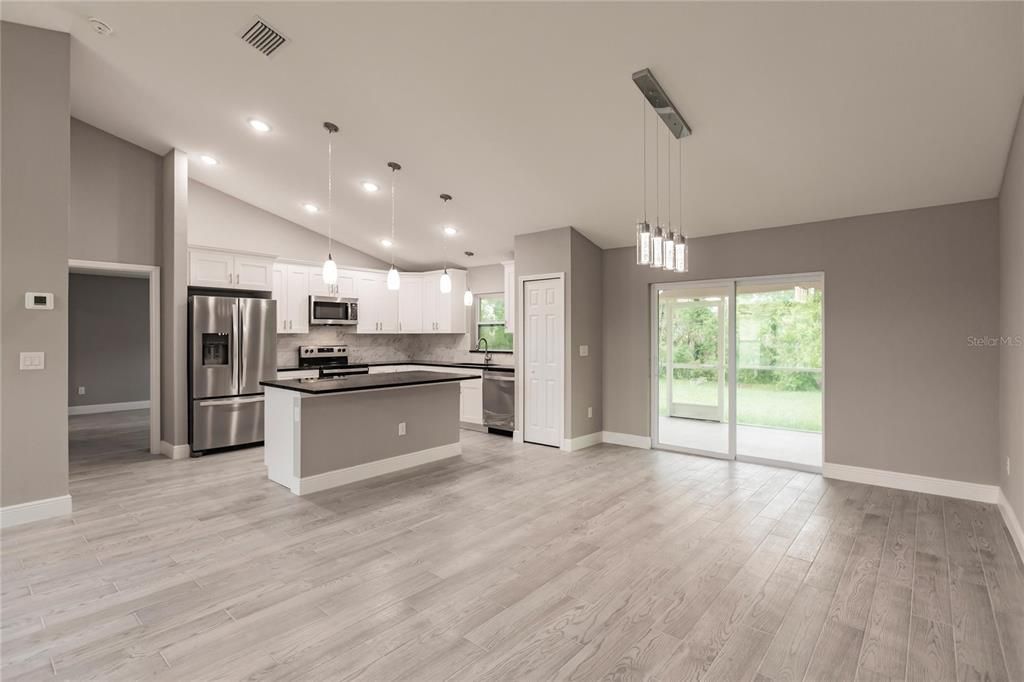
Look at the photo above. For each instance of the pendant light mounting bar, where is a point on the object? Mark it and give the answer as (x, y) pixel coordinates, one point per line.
(660, 102)
(394, 166)
(331, 127)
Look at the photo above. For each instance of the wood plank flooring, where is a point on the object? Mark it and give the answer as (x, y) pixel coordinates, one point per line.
(512, 562)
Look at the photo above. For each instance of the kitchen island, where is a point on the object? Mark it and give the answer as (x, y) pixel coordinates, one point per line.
(324, 433)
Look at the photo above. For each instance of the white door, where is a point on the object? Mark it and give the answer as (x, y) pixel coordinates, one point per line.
(543, 314)
(254, 273)
(211, 269)
(297, 295)
(410, 305)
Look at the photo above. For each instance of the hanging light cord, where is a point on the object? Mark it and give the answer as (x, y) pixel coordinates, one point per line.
(657, 175)
(643, 146)
(330, 194)
(393, 172)
(669, 164)
(680, 159)
(444, 249)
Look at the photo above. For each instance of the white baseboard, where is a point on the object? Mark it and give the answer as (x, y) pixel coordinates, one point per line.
(108, 407)
(517, 436)
(36, 510)
(1010, 519)
(627, 439)
(174, 451)
(978, 492)
(580, 442)
(361, 472)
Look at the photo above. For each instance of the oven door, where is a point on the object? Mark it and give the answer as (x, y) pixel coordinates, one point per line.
(331, 310)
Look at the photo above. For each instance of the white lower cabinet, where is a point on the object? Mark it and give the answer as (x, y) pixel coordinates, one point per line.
(471, 401)
(298, 374)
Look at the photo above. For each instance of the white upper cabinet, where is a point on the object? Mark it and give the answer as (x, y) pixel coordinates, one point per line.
(510, 296)
(410, 304)
(444, 313)
(291, 291)
(370, 288)
(345, 286)
(224, 270)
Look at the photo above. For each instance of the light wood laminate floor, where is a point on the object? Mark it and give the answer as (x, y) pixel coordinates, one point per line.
(512, 562)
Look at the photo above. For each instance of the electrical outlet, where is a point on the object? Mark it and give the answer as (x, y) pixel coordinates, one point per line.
(584, 351)
(401, 428)
(590, 413)
(81, 390)
(33, 360)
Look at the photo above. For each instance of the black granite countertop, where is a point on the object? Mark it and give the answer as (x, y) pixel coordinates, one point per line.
(428, 363)
(364, 382)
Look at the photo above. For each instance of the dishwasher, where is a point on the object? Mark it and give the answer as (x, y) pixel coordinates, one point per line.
(499, 400)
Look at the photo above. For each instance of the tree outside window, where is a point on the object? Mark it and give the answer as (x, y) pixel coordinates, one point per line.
(490, 322)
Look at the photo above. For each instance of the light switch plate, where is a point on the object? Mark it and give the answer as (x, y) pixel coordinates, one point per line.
(33, 360)
(584, 351)
(401, 428)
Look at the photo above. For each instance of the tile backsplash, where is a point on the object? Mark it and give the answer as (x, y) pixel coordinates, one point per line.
(384, 347)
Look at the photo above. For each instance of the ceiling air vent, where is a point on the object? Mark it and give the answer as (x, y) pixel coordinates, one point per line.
(263, 37)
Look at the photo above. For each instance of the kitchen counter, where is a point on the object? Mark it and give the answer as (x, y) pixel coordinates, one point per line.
(364, 382)
(467, 365)
(325, 433)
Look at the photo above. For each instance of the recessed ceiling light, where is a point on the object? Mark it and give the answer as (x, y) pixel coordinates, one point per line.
(311, 208)
(208, 160)
(386, 243)
(450, 231)
(259, 126)
(369, 186)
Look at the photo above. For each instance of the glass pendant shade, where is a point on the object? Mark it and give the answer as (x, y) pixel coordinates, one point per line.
(330, 271)
(681, 254)
(467, 298)
(670, 251)
(643, 243)
(446, 282)
(393, 280)
(657, 250)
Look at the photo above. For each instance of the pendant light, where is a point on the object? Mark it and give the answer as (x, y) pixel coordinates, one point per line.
(643, 228)
(446, 279)
(669, 256)
(330, 270)
(657, 234)
(682, 253)
(394, 281)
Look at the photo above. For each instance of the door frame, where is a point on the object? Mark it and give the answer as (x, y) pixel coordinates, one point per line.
(152, 274)
(733, 283)
(518, 435)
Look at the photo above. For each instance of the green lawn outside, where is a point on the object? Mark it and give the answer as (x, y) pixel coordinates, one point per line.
(759, 404)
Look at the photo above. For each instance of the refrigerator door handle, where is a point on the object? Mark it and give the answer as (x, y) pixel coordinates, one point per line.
(230, 401)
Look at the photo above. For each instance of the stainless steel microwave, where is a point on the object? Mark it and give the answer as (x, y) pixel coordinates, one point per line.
(333, 310)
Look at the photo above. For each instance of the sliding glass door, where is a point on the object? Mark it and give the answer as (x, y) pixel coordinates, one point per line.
(770, 329)
(692, 367)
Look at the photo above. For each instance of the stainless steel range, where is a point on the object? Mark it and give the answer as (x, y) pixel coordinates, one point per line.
(332, 361)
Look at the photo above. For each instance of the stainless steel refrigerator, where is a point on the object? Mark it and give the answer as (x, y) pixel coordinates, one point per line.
(232, 347)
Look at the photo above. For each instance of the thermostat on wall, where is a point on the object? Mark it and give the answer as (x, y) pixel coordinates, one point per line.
(37, 301)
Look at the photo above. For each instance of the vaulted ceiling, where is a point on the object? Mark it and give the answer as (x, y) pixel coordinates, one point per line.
(526, 113)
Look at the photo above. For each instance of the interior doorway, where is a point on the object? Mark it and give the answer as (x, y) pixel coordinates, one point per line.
(770, 408)
(115, 386)
(543, 359)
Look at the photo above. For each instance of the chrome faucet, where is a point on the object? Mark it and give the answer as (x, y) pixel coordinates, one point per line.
(487, 352)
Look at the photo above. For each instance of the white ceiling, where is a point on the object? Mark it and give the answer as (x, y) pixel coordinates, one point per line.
(526, 112)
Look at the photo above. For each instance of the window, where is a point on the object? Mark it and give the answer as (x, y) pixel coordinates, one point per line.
(489, 311)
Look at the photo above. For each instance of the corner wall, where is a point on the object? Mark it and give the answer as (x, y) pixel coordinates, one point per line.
(1011, 327)
(905, 292)
(35, 165)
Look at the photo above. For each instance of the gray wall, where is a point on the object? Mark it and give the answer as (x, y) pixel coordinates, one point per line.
(108, 339)
(220, 220)
(35, 118)
(567, 251)
(486, 279)
(115, 199)
(1011, 324)
(905, 391)
(585, 328)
